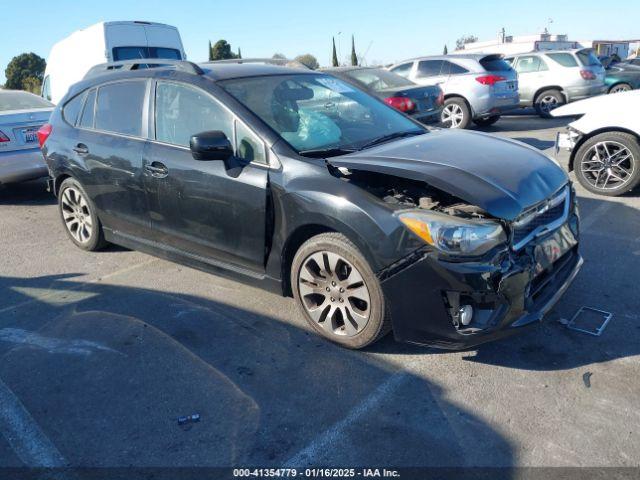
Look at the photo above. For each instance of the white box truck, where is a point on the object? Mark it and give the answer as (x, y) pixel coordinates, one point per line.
(72, 57)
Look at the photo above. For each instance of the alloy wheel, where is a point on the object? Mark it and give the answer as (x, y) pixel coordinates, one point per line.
(620, 88)
(452, 115)
(76, 215)
(334, 293)
(548, 103)
(607, 165)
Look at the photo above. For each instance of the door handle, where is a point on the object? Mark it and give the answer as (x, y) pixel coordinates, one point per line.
(157, 169)
(81, 149)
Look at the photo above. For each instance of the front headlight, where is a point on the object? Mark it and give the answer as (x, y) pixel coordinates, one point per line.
(453, 235)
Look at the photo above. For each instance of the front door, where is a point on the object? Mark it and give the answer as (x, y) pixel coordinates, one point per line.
(210, 210)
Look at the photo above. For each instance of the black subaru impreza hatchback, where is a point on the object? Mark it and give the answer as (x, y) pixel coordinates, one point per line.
(300, 183)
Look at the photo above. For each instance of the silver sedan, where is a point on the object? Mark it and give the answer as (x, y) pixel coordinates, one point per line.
(21, 115)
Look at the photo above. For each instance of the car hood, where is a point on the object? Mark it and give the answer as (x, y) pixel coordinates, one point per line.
(501, 176)
(600, 104)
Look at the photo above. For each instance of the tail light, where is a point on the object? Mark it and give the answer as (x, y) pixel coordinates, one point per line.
(3, 138)
(43, 133)
(490, 80)
(401, 103)
(587, 74)
(440, 99)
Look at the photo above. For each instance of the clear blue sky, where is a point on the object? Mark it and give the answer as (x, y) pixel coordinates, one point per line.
(388, 30)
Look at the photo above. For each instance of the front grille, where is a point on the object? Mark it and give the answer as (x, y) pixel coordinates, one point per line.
(547, 215)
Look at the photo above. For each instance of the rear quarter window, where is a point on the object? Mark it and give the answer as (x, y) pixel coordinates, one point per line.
(564, 59)
(119, 107)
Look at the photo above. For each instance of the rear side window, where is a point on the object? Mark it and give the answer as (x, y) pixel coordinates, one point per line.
(452, 68)
(495, 64)
(86, 119)
(403, 70)
(119, 108)
(429, 68)
(564, 59)
(72, 108)
(588, 58)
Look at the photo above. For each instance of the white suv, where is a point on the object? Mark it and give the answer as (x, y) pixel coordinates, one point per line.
(552, 78)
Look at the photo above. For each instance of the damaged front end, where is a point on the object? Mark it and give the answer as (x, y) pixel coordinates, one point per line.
(477, 277)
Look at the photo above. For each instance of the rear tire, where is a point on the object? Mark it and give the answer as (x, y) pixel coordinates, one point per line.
(620, 87)
(487, 121)
(548, 100)
(337, 292)
(79, 217)
(455, 113)
(608, 164)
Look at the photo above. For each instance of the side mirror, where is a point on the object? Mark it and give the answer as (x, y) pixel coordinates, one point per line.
(213, 145)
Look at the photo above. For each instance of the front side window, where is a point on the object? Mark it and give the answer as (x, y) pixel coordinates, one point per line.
(119, 107)
(248, 146)
(429, 68)
(46, 88)
(403, 70)
(318, 112)
(183, 111)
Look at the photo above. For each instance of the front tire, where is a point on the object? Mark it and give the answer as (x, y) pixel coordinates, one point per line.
(547, 101)
(337, 292)
(79, 217)
(609, 163)
(455, 113)
(486, 122)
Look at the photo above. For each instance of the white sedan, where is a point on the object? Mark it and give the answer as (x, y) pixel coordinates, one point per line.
(604, 142)
(21, 115)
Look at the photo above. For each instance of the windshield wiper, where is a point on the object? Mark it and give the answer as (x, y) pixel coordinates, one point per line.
(391, 136)
(326, 152)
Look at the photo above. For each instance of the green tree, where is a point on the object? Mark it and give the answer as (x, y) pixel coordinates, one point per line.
(279, 56)
(354, 57)
(221, 50)
(462, 41)
(25, 71)
(334, 55)
(445, 51)
(308, 61)
(210, 51)
(239, 53)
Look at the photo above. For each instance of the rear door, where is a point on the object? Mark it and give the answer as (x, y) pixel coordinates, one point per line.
(432, 72)
(111, 136)
(213, 211)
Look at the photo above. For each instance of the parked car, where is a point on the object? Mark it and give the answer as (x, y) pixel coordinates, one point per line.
(424, 103)
(72, 57)
(477, 87)
(632, 61)
(21, 115)
(370, 220)
(550, 79)
(603, 143)
(622, 77)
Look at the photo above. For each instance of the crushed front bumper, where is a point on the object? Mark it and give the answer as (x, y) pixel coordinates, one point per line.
(564, 146)
(507, 293)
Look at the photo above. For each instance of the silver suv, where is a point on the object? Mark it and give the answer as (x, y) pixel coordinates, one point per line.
(476, 87)
(552, 78)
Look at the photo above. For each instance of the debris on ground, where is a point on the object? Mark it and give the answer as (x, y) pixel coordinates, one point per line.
(186, 422)
(589, 320)
(586, 378)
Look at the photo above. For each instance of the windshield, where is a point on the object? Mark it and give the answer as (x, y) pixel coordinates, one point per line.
(319, 112)
(377, 79)
(17, 100)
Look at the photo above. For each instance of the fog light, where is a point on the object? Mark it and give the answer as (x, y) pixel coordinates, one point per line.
(465, 314)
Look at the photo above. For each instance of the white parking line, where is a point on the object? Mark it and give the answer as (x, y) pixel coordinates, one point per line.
(76, 286)
(24, 435)
(308, 455)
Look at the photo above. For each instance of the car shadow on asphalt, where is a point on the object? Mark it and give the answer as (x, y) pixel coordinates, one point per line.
(610, 246)
(536, 142)
(107, 370)
(26, 193)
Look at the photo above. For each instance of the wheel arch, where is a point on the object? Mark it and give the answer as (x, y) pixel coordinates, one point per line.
(549, 87)
(586, 138)
(620, 82)
(461, 97)
(57, 181)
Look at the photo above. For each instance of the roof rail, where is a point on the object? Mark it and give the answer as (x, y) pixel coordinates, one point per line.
(138, 63)
(284, 62)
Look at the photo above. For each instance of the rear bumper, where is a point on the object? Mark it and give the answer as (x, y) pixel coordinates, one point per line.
(22, 165)
(508, 293)
(432, 116)
(495, 104)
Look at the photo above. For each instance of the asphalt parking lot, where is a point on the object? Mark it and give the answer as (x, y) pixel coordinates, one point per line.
(102, 352)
